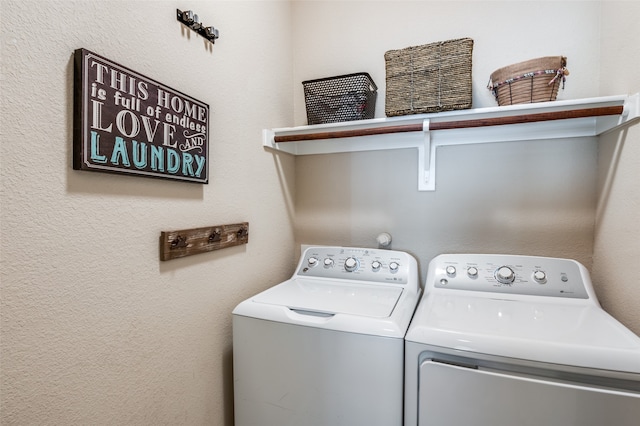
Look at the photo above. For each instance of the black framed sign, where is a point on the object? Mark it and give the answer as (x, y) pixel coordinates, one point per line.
(127, 123)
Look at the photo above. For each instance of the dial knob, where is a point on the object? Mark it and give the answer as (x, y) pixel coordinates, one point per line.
(451, 270)
(328, 262)
(540, 276)
(505, 275)
(472, 271)
(375, 265)
(313, 261)
(351, 264)
(394, 266)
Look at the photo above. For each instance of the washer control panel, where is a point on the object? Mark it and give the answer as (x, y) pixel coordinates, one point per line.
(363, 264)
(527, 275)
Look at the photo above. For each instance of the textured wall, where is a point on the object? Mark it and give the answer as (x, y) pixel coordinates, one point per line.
(617, 239)
(95, 329)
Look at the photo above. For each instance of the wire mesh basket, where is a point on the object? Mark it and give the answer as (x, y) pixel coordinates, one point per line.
(341, 98)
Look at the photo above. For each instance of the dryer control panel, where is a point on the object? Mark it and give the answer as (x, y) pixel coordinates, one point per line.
(362, 264)
(523, 275)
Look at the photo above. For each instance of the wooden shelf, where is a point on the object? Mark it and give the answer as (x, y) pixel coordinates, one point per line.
(426, 132)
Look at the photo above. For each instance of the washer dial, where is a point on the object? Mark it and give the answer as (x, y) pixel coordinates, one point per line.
(505, 275)
(351, 264)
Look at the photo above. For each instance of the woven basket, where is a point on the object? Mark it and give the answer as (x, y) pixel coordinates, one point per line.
(429, 78)
(535, 80)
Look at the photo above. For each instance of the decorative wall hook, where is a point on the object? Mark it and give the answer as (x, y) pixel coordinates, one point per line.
(178, 242)
(192, 21)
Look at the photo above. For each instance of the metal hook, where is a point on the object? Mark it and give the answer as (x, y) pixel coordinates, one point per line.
(215, 236)
(179, 242)
(242, 233)
(212, 33)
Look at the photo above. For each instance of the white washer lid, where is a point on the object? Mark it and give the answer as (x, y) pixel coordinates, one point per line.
(333, 297)
(565, 333)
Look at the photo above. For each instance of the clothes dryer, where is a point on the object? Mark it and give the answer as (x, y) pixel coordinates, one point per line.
(326, 347)
(517, 340)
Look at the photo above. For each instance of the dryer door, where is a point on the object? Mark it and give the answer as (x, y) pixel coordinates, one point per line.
(455, 395)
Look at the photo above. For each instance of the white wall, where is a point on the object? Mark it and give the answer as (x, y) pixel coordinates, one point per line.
(617, 236)
(344, 36)
(533, 198)
(95, 329)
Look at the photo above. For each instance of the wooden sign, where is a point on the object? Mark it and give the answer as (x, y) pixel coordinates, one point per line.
(127, 123)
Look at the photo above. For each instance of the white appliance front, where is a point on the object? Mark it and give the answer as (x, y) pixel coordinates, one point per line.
(455, 390)
(326, 347)
(517, 340)
(292, 375)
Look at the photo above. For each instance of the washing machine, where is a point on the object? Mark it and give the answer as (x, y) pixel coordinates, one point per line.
(506, 340)
(326, 347)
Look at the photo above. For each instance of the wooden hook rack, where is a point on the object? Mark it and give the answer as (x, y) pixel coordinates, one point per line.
(187, 242)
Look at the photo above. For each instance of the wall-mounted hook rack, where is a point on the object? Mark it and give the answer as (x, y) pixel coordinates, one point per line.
(191, 20)
(186, 242)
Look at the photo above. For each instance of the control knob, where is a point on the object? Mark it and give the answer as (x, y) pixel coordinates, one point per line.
(313, 261)
(505, 275)
(375, 265)
(540, 277)
(472, 271)
(394, 266)
(328, 262)
(451, 270)
(351, 264)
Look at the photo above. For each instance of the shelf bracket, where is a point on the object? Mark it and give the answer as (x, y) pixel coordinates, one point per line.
(631, 111)
(426, 160)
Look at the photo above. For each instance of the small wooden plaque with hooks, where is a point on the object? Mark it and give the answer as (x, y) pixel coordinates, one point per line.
(174, 244)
